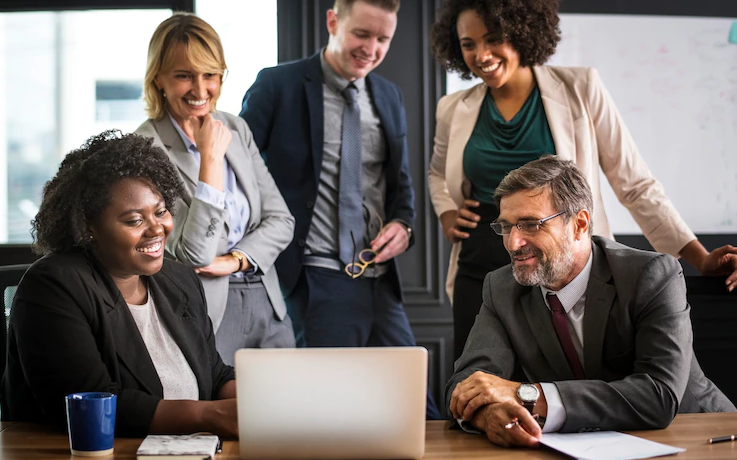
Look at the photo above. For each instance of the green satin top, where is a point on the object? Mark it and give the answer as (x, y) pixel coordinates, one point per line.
(497, 146)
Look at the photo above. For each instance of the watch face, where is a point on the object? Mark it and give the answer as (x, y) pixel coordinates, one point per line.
(527, 392)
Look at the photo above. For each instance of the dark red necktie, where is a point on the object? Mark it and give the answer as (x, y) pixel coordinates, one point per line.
(560, 323)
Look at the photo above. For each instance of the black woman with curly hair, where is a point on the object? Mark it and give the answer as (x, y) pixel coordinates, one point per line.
(104, 311)
(521, 110)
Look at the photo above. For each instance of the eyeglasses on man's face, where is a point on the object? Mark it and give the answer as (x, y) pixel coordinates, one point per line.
(528, 227)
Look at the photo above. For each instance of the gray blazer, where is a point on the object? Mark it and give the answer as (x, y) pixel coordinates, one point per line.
(638, 353)
(200, 229)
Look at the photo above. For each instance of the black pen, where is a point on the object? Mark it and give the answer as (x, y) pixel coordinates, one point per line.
(722, 439)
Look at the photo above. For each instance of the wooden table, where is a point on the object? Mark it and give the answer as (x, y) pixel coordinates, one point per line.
(30, 441)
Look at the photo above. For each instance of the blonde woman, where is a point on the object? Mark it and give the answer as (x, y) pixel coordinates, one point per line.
(232, 222)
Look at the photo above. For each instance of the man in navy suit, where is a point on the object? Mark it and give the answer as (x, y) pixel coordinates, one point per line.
(296, 113)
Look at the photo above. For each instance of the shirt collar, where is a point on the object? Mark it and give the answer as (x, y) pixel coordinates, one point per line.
(191, 146)
(573, 291)
(334, 81)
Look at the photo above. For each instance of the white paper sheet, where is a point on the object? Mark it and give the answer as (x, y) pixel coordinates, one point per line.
(606, 445)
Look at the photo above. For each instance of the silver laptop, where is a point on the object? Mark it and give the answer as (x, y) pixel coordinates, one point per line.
(330, 403)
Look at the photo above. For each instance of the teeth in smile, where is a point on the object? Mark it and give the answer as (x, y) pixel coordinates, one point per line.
(202, 102)
(491, 68)
(152, 248)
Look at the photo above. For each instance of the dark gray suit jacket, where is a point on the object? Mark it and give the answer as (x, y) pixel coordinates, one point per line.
(638, 354)
(71, 331)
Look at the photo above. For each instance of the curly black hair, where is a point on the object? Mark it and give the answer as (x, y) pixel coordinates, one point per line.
(530, 26)
(79, 192)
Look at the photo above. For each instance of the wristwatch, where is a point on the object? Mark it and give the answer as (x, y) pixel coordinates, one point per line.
(238, 255)
(409, 231)
(528, 394)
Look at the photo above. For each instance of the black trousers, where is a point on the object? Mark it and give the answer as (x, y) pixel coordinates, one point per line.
(482, 252)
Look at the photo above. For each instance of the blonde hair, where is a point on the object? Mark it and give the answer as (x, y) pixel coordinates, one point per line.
(202, 47)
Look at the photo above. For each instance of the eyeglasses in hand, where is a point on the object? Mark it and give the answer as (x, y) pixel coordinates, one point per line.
(528, 227)
(365, 258)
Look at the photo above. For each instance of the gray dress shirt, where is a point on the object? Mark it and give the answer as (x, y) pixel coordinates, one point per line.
(322, 238)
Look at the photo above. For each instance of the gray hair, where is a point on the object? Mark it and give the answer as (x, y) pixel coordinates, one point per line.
(570, 190)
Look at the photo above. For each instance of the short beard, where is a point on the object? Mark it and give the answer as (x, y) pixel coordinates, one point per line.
(548, 271)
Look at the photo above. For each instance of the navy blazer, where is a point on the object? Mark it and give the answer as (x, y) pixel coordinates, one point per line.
(71, 331)
(284, 109)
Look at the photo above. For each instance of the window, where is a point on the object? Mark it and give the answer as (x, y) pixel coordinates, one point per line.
(67, 75)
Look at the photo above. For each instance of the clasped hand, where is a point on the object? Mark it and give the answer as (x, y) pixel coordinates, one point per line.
(454, 222)
(489, 403)
(722, 262)
(391, 241)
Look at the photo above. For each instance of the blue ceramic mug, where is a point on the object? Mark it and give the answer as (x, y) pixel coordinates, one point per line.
(91, 423)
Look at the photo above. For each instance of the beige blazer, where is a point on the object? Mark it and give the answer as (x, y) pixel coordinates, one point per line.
(586, 128)
(201, 229)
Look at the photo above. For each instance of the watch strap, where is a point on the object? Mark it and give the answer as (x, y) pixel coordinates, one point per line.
(529, 405)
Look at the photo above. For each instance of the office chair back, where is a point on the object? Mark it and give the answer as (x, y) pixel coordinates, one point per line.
(10, 276)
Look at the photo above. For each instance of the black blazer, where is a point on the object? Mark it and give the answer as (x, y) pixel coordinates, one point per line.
(284, 109)
(71, 331)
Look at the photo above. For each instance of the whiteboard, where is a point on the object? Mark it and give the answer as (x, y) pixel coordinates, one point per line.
(674, 81)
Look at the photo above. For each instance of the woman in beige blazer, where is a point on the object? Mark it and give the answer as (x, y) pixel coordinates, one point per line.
(232, 222)
(520, 111)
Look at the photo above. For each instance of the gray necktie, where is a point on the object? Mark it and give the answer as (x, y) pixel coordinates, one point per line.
(350, 204)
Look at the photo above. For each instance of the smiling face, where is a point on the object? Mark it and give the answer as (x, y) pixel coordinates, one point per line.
(130, 233)
(493, 61)
(553, 255)
(189, 93)
(359, 39)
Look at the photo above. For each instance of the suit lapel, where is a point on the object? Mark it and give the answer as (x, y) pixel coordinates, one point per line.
(538, 315)
(185, 161)
(462, 124)
(600, 295)
(313, 93)
(558, 112)
(170, 304)
(129, 345)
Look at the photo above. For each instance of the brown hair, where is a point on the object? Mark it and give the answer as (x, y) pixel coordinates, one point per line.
(569, 188)
(343, 7)
(202, 46)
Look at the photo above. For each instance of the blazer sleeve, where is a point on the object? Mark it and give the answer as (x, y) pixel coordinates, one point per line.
(257, 109)
(488, 347)
(650, 396)
(61, 341)
(439, 194)
(264, 242)
(630, 178)
(198, 224)
(401, 200)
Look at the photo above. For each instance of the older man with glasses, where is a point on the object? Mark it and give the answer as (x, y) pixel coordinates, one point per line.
(578, 332)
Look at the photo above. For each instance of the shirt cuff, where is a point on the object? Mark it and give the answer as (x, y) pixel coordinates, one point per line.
(556, 412)
(467, 427)
(210, 195)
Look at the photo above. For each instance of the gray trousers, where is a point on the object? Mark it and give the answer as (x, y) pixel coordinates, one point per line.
(249, 320)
